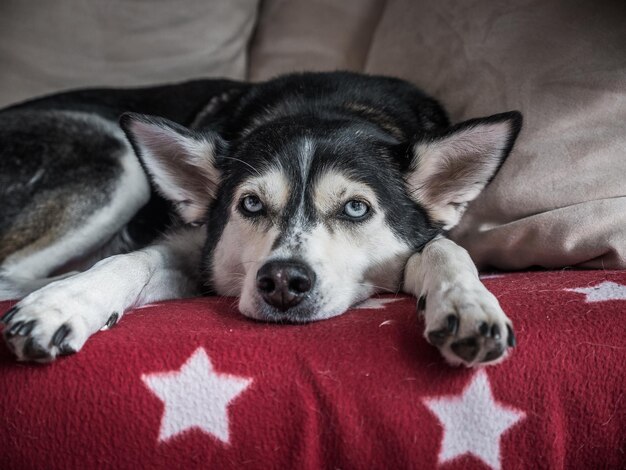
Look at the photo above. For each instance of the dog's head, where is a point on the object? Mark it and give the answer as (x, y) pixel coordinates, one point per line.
(307, 217)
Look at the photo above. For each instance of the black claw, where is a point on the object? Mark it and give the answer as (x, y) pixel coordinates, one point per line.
(26, 328)
(495, 332)
(14, 329)
(511, 341)
(452, 324)
(33, 350)
(421, 303)
(6, 318)
(483, 329)
(438, 337)
(112, 320)
(66, 350)
(466, 349)
(59, 335)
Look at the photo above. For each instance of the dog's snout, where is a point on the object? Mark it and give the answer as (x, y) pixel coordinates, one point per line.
(283, 284)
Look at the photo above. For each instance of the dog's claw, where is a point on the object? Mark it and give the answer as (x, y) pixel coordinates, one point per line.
(421, 303)
(452, 324)
(6, 318)
(511, 341)
(112, 321)
(27, 328)
(60, 335)
(438, 337)
(495, 332)
(66, 350)
(14, 329)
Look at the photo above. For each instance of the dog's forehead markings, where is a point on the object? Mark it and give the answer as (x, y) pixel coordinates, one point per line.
(305, 153)
(305, 157)
(334, 187)
(272, 186)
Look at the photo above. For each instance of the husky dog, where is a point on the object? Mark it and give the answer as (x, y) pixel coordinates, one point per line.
(302, 196)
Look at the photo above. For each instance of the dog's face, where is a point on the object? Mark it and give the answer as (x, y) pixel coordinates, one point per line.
(307, 225)
(306, 218)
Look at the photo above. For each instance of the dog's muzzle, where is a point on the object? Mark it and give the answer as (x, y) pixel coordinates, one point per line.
(284, 283)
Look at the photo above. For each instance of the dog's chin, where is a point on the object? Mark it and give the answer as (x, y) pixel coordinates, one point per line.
(295, 315)
(309, 310)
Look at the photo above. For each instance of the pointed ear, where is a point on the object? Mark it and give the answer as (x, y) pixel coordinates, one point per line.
(180, 162)
(449, 171)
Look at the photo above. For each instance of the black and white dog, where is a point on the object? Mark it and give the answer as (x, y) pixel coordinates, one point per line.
(302, 196)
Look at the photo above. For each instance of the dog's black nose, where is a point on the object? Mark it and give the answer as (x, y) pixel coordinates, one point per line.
(283, 284)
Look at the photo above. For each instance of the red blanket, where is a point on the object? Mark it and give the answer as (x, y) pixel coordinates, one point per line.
(193, 384)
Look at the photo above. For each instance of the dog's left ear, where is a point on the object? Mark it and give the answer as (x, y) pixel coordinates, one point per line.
(449, 171)
(180, 162)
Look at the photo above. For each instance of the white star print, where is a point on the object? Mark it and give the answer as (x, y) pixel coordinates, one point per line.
(195, 396)
(374, 303)
(473, 422)
(606, 290)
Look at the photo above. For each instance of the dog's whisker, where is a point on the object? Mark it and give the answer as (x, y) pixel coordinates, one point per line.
(247, 262)
(379, 288)
(244, 162)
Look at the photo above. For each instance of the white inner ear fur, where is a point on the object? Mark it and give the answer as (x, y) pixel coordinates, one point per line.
(452, 171)
(182, 167)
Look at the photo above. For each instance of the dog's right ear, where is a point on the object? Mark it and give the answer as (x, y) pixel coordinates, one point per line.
(450, 170)
(180, 162)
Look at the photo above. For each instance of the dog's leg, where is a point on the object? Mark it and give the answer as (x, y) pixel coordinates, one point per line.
(14, 287)
(463, 319)
(61, 316)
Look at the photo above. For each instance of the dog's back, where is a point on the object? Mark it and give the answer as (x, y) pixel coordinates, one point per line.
(71, 189)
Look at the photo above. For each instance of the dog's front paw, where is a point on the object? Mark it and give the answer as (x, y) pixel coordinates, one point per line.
(53, 321)
(467, 324)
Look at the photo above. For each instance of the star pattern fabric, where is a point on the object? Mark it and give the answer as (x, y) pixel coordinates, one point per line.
(602, 292)
(473, 422)
(363, 390)
(195, 396)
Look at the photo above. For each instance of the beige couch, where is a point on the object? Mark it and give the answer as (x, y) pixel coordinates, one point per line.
(560, 199)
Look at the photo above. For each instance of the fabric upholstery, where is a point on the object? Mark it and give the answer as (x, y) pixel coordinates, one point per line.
(194, 384)
(51, 46)
(298, 35)
(560, 199)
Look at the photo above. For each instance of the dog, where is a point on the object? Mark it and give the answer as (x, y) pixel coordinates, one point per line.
(302, 196)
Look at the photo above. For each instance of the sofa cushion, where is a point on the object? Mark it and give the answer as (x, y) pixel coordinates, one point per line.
(297, 35)
(560, 199)
(52, 46)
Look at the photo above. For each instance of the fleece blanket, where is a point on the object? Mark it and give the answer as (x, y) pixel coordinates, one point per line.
(193, 384)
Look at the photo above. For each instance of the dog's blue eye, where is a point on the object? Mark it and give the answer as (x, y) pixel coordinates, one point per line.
(251, 205)
(356, 209)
